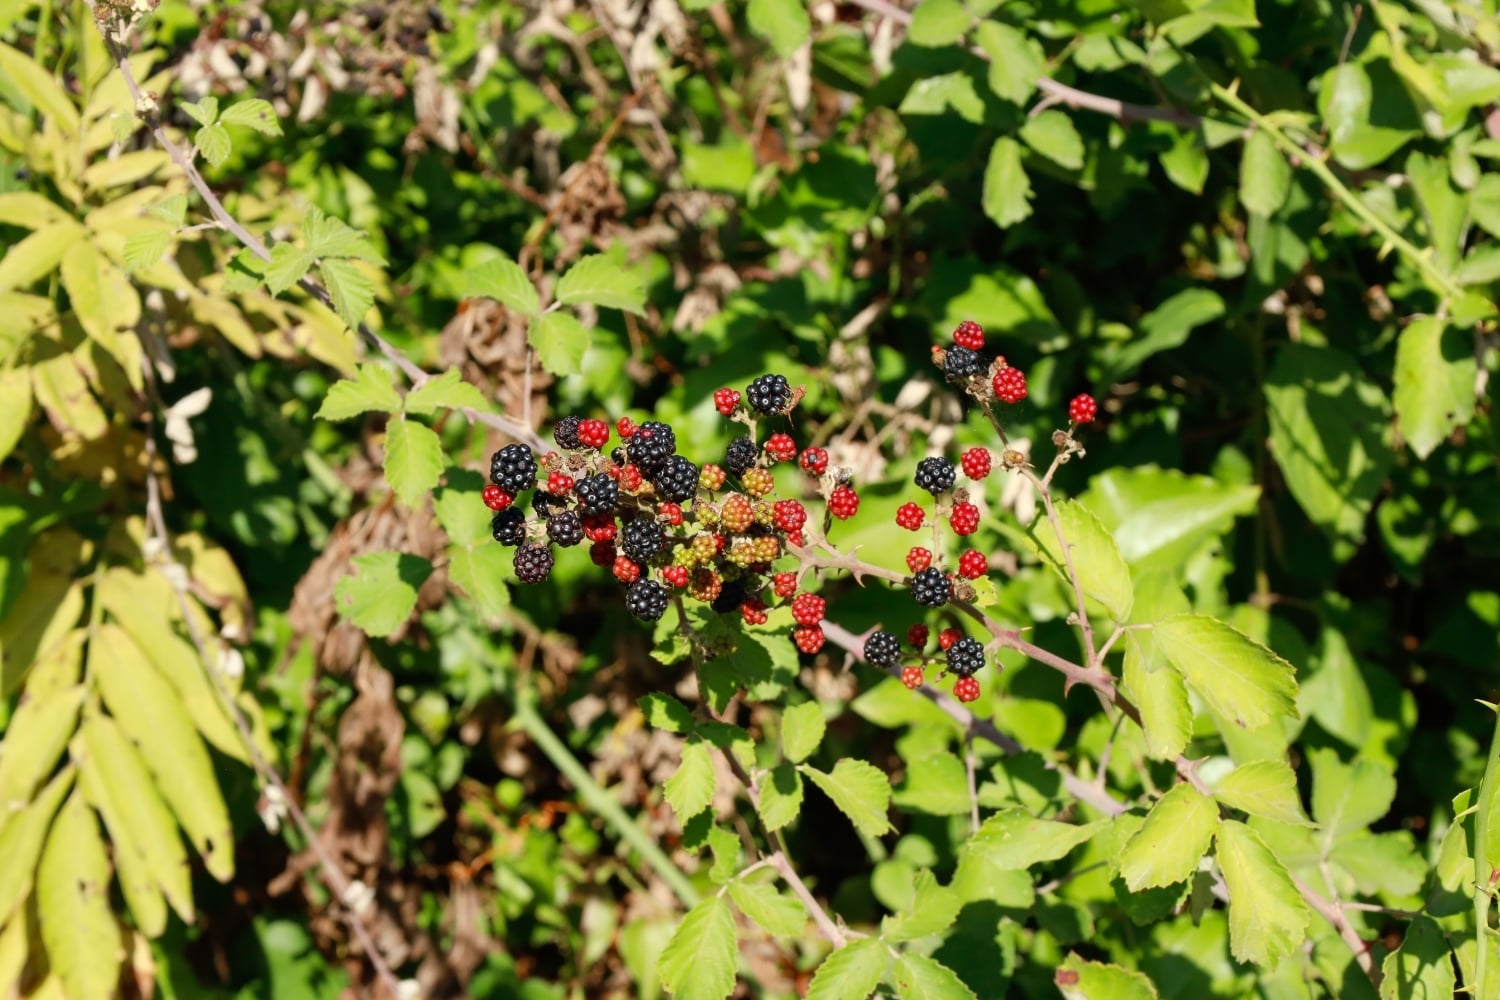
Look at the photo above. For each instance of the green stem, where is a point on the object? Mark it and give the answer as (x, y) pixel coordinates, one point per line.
(600, 801)
(1482, 870)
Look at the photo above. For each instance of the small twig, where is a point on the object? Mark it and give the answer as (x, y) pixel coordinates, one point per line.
(969, 764)
(1044, 491)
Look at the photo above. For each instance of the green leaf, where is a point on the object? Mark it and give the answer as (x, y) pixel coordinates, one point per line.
(145, 248)
(666, 713)
(350, 288)
(328, 236)
(481, 570)
(1422, 968)
(1241, 679)
(21, 839)
(1265, 176)
(1348, 94)
(213, 142)
(1014, 839)
(937, 784)
(1348, 797)
(1173, 840)
(860, 790)
(1168, 325)
(1007, 189)
(1264, 788)
(204, 112)
(802, 729)
(380, 597)
(1186, 162)
(38, 255)
(1160, 695)
(502, 279)
(780, 797)
(39, 87)
(938, 23)
(1267, 916)
(1336, 696)
(1053, 134)
(253, 112)
(371, 390)
(1435, 379)
(851, 973)
(940, 95)
(691, 787)
(446, 390)
(601, 281)
(933, 909)
(726, 850)
(780, 916)
(1079, 979)
(917, 977)
(73, 907)
(1161, 518)
(698, 963)
(287, 266)
(1102, 572)
(413, 459)
(1013, 64)
(783, 23)
(560, 342)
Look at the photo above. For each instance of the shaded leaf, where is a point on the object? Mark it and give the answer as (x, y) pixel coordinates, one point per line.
(780, 797)
(1015, 839)
(933, 909)
(1007, 189)
(1435, 373)
(380, 597)
(665, 712)
(1265, 176)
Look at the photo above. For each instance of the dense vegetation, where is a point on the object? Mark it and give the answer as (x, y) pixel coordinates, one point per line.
(277, 280)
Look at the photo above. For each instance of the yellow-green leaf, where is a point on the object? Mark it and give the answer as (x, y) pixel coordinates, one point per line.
(15, 407)
(1237, 676)
(124, 170)
(1173, 840)
(380, 597)
(38, 254)
(21, 843)
(691, 787)
(39, 87)
(802, 728)
(445, 390)
(29, 210)
(72, 889)
(1265, 788)
(601, 281)
(63, 393)
(1267, 916)
(372, 389)
(413, 459)
(852, 972)
(1015, 839)
(106, 304)
(1079, 979)
(560, 342)
(33, 744)
(1160, 695)
(698, 963)
(47, 610)
(1096, 558)
(502, 279)
(860, 790)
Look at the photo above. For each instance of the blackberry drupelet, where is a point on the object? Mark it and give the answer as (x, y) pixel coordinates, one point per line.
(961, 363)
(598, 494)
(740, 456)
(882, 649)
(769, 394)
(617, 456)
(651, 446)
(731, 596)
(509, 527)
(566, 433)
(640, 540)
(565, 528)
(934, 475)
(513, 468)
(533, 563)
(546, 504)
(965, 657)
(676, 480)
(646, 599)
(931, 588)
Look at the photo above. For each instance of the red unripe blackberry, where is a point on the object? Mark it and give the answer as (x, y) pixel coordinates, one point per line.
(972, 565)
(725, 400)
(976, 463)
(626, 570)
(882, 649)
(781, 447)
(917, 635)
(809, 638)
(646, 600)
(1083, 409)
(912, 677)
(753, 611)
(710, 477)
(815, 460)
(602, 553)
(1009, 384)
(918, 559)
(909, 516)
(671, 513)
(533, 563)
(599, 527)
(630, 479)
(966, 689)
(808, 609)
(843, 503)
(948, 636)
(930, 588)
(675, 575)
(964, 519)
(790, 515)
(594, 433)
(784, 584)
(497, 499)
(969, 334)
(559, 482)
(965, 657)
(626, 428)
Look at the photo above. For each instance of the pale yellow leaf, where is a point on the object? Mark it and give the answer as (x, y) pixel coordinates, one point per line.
(38, 254)
(21, 843)
(72, 889)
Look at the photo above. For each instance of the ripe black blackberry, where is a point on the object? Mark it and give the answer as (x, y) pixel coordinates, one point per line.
(731, 596)
(617, 456)
(646, 599)
(566, 433)
(882, 649)
(640, 540)
(676, 480)
(546, 504)
(651, 446)
(934, 475)
(740, 456)
(533, 563)
(965, 657)
(769, 394)
(509, 527)
(565, 528)
(962, 362)
(598, 494)
(931, 588)
(513, 468)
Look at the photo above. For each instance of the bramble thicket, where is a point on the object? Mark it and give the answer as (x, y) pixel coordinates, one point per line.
(668, 497)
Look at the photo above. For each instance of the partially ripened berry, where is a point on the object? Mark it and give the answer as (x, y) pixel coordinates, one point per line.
(934, 475)
(671, 513)
(972, 565)
(753, 611)
(513, 468)
(626, 570)
(737, 513)
(758, 482)
(815, 460)
(948, 636)
(705, 586)
(769, 394)
(790, 515)
(565, 433)
(565, 528)
(676, 480)
(809, 638)
(969, 334)
(594, 433)
(651, 446)
(711, 477)
(641, 539)
(930, 588)
(964, 518)
(603, 554)
(646, 599)
(976, 463)
(599, 527)
(918, 559)
(781, 447)
(909, 516)
(784, 584)
(630, 478)
(725, 400)
(960, 362)
(965, 657)
(559, 482)
(1010, 385)
(597, 494)
(808, 609)
(533, 563)
(917, 635)
(497, 499)
(509, 527)
(1083, 409)
(626, 428)
(739, 456)
(912, 677)
(966, 689)
(675, 575)
(843, 503)
(882, 649)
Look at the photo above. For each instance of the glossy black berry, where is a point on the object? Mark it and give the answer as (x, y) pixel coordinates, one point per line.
(546, 504)
(961, 362)
(676, 480)
(533, 563)
(618, 456)
(597, 494)
(740, 456)
(646, 599)
(731, 596)
(509, 527)
(513, 468)
(565, 528)
(651, 446)
(931, 588)
(882, 649)
(566, 433)
(640, 540)
(935, 475)
(769, 394)
(965, 657)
